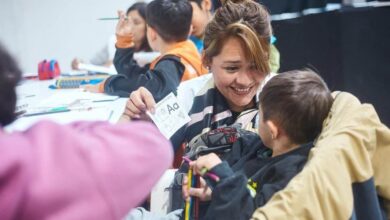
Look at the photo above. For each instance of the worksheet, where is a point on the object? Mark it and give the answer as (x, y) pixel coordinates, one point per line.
(169, 116)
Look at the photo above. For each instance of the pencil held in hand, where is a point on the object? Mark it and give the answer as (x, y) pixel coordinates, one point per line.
(109, 19)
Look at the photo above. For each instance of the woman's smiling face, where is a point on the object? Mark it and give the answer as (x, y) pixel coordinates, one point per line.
(235, 76)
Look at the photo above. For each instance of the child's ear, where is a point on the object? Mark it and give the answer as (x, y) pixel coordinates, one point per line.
(273, 128)
(207, 5)
(152, 33)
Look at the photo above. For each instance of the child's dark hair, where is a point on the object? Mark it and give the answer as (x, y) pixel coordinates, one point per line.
(170, 18)
(10, 75)
(298, 102)
(199, 3)
(140, 7)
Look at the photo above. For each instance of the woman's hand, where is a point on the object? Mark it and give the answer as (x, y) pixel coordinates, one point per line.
(203, 193)
(140, 101)
(123, 27)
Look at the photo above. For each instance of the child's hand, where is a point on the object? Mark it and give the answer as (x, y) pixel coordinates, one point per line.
(75, 63)
(91, 88)
(203, 193)
(208, 161)
(124, 26)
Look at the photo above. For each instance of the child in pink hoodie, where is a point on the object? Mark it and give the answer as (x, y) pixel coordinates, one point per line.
(85, 170)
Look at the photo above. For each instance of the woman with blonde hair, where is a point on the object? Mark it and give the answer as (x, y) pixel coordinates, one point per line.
(236, 52)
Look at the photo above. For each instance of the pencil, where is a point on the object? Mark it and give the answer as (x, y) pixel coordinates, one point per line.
(109, 117)
(108, 19)
(104, 100)
(52, 111)
(196, 209)
(188, 202)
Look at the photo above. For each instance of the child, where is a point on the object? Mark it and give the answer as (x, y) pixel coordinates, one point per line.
(168, 26)
(293, 106)
(136, 14)
(202, 13)
(84, 170)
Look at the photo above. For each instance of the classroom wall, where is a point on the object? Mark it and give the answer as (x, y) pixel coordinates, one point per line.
(34, 30)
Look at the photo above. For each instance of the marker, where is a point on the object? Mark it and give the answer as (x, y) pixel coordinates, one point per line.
(186, 159)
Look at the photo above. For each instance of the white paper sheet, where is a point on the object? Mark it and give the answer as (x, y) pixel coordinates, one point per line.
(97, 114)
(97, 69)
(72, 98)
(169, 116)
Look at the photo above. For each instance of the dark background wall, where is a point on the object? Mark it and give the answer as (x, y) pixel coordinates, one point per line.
(350, 49)
(290, 6)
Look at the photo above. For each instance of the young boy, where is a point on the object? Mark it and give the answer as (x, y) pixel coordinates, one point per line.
(293, 106)
(168, 27)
